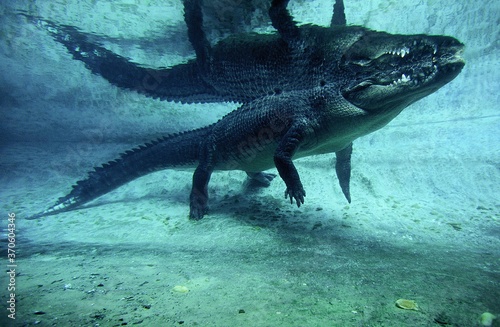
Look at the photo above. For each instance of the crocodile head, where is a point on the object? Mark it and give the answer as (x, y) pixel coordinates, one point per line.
(388, 72)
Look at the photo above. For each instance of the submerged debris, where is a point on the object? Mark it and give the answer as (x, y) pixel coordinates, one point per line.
(407, 304)
(180, 289)
(487, 319)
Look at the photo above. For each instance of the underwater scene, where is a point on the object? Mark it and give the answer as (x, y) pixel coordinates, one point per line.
(250, 163)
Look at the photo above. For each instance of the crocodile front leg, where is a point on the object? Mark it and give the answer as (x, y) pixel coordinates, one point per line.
(338, 17)
(343, 169)
(283, 161)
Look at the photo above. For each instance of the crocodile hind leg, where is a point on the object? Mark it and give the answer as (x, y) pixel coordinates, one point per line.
(283, 21)
(198, 200)
(194, 20)
(261, 178)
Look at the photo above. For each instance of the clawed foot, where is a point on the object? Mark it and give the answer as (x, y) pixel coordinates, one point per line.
(261, 178)
(196, 213)
(198, 206)
(296, 193)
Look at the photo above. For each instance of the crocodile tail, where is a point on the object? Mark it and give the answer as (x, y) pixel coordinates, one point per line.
(181, 83)
(172, 151)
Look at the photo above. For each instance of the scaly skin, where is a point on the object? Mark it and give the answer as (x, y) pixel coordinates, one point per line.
(305, 91)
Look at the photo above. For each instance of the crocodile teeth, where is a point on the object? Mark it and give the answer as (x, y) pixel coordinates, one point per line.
(404, 79)
(401, 52)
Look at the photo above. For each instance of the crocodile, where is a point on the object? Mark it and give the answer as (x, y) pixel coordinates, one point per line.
(237, 69)
(329, 86)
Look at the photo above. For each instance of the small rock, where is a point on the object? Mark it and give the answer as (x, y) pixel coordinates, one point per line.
(180, 289)
(407, 304)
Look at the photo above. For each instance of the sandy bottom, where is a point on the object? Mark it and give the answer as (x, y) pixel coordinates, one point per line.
(133, 257)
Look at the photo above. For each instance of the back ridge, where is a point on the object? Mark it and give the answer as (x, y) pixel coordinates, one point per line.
(172, 151)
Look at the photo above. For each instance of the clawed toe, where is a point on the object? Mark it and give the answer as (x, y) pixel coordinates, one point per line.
(297, 194)
(196, 213)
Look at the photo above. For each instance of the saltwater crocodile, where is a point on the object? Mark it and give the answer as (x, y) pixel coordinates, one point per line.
(306, 90)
